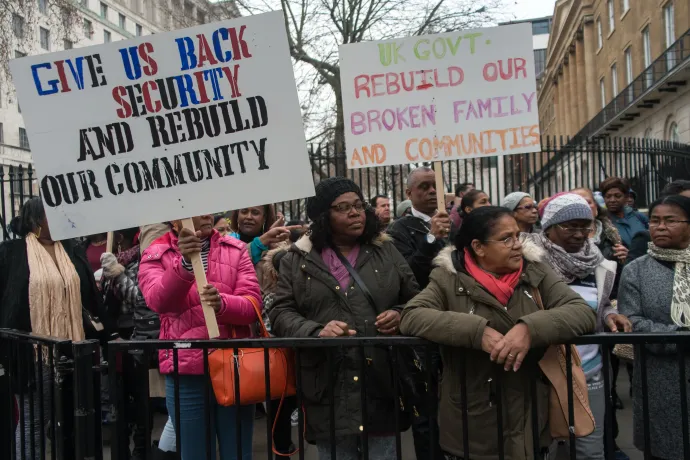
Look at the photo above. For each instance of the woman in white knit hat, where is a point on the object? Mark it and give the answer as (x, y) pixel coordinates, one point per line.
(566, 247)
(524, 210)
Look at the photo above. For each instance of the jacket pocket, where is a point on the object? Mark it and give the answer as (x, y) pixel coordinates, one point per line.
(315, 375)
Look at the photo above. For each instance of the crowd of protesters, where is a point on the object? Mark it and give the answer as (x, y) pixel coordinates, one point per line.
(487, 284)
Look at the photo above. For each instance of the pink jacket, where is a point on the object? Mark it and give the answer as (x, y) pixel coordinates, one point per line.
(170, 290)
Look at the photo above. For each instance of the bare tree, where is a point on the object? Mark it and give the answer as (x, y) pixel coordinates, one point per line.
(19, 27)
(317, 27)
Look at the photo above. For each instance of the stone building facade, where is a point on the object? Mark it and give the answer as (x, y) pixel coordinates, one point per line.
(617, 68)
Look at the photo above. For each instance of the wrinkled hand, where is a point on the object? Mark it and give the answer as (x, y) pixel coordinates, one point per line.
(620, 252)
(211, 297)
(440, 225)
(111, 268)
(189, 243)
(336, 329)
(513, 348)
(388, 322)
(277, 235)
(617, 322)
(490, 338)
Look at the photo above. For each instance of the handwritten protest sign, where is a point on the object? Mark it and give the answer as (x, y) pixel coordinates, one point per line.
(166, 126)
(450, 96)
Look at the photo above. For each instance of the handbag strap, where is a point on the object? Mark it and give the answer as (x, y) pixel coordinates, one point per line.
(263, 332)
(575, 356)
(358, 279)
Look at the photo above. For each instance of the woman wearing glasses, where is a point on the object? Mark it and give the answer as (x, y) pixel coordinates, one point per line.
(524, 210)
(654, 292)
(317, 296)
(566, 247)
(480, 307)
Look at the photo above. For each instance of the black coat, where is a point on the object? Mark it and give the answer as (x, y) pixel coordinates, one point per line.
(14, 288)
(409, 237)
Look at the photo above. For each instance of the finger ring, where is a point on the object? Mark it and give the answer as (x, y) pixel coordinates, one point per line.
(510, 355)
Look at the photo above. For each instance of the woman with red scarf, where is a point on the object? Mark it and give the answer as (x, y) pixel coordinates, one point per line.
(480, 306)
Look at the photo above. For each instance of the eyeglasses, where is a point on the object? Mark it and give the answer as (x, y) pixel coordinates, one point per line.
(575, 230)
(527, 207)
(510, 241)
(671, 223)
(345, 208)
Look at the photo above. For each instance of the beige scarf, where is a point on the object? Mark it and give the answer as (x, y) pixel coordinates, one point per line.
(54, 292)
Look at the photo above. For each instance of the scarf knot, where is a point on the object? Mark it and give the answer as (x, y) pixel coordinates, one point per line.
(680, 305)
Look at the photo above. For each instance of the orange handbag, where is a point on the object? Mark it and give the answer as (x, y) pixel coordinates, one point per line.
(249, 364)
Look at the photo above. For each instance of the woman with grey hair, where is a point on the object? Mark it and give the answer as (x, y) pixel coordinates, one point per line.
(524, 210)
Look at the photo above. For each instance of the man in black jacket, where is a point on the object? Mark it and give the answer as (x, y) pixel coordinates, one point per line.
(420, 237)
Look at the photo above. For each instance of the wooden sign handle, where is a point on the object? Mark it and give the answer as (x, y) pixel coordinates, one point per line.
(109, 242)
(200, 276)
(440, 188)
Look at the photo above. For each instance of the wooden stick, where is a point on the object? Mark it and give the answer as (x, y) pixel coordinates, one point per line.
(440, 188)
(200, 275)
(109, 242)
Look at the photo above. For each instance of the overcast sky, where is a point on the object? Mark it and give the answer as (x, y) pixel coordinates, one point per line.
(527, 9)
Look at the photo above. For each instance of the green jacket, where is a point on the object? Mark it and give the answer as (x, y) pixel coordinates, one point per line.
(453, 311)
(307, 297)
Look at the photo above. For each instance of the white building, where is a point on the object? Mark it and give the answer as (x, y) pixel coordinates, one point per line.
(94, 22)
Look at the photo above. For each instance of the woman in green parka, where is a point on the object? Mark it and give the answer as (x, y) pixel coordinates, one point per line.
(480, 307)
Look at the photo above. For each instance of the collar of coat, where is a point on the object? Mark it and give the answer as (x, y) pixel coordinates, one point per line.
(305, 245)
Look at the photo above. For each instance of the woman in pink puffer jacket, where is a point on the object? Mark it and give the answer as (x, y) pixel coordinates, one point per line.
(167, 282)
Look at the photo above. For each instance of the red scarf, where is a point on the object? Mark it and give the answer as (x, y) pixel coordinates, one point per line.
(502, 288)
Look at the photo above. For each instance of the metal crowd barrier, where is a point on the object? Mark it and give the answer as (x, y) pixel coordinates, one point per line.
(72, 429)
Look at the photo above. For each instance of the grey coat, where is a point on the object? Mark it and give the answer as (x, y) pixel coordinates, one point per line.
(645, 294)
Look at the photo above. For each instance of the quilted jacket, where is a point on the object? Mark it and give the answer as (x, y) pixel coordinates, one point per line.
(170, 290)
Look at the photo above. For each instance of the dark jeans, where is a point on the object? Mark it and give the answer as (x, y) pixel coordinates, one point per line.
(282, 434)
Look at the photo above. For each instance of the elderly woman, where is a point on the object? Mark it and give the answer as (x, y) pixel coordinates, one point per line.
(566, 247)
(480, 307)
(524, 210)
(166, 280)
(653, 292)
(317, 297)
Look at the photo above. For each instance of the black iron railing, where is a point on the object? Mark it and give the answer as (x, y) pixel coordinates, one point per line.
(75, 369)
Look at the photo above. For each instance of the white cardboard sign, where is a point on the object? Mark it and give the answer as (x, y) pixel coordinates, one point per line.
(450, 96)
(165, 126)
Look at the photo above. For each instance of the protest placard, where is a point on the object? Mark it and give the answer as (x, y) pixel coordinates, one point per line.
(450, 96)
(165, 126)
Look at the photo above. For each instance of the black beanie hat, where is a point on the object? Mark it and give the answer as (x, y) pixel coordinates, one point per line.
(326, 192)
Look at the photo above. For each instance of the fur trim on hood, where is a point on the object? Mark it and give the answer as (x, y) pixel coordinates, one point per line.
(305, 245)
(530, 252)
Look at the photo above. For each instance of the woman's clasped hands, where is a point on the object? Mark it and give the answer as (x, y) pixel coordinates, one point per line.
(510, 349)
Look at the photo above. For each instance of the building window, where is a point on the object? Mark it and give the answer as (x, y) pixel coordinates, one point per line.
(88, 28)
(628, 66)
(602, 90)
(673, 134)
(139, 30)
(625, 5)
(614, 80)
(67, 44)
(18, 26)
(43, 6)
(539, 62)
(104, 10)
(2, 134)
(201, 17)
(23, 139)
(541, 27)
(612, 18)
(600, 35)
(647, 56)
(123, 21)
(44, 35)
(669, 25)
(106, 36)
